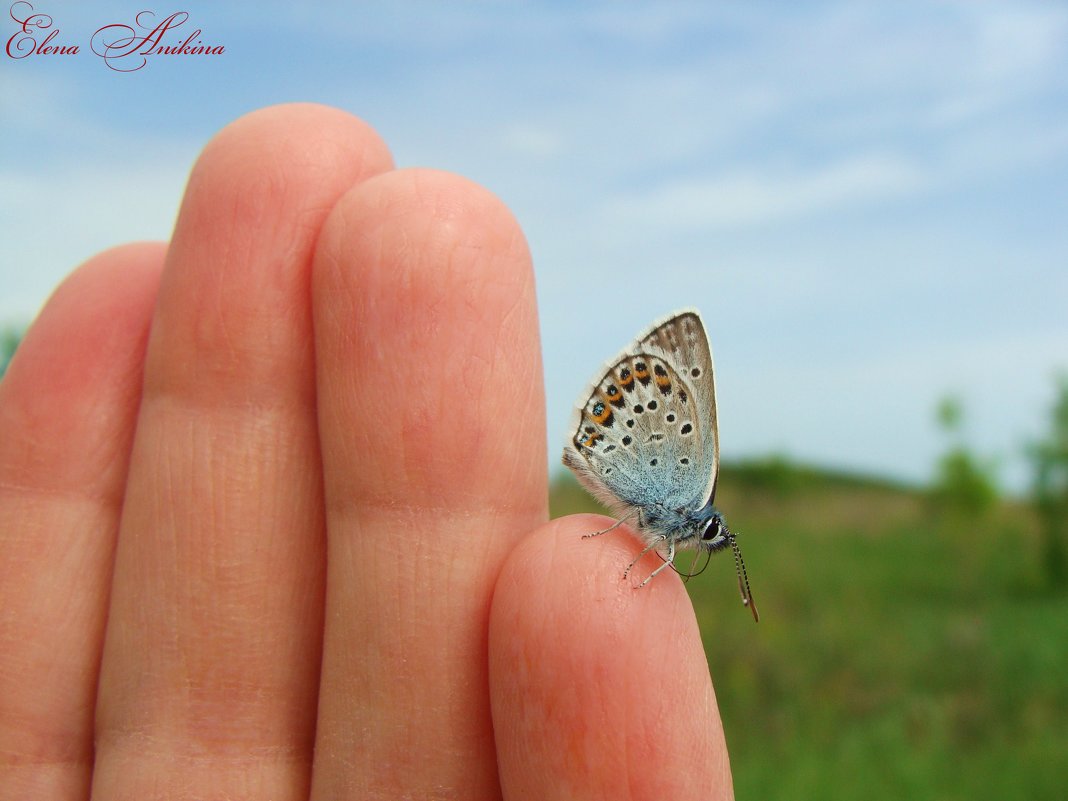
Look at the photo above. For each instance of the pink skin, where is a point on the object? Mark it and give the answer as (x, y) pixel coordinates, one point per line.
(273, 514)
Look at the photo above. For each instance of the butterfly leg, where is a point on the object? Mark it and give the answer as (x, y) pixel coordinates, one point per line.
(617, 524)
(667, 563)
(648, 548)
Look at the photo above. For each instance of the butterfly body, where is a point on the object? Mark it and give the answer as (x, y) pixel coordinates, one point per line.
(644, 441)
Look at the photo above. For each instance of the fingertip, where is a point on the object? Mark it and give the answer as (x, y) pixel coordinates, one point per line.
(290, 141)
(597, 685)
(415, 242)
(273, 174)
(579, 569)
(233, 318)
(580, 584)
(427, 335)
(75, 380)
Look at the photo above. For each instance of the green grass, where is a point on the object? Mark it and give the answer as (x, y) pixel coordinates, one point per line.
(900, 653)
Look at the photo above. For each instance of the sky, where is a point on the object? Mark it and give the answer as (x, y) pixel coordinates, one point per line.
(867, 201)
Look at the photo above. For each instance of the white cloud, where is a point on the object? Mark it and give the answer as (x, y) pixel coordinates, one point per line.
(76, 183)
(876, 411)
(1016, 43)
(51, 223)
(754, 197)
(34, 103)
(532, 140)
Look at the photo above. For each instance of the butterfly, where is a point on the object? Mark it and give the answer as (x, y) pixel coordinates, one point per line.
(645, 443)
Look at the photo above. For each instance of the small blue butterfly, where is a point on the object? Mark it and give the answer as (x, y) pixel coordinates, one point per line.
(645, 443)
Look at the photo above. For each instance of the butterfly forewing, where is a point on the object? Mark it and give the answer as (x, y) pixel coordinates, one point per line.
(682, 340)
(645, 432)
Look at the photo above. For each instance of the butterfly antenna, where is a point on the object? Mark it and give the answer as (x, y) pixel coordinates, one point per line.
(743, 579)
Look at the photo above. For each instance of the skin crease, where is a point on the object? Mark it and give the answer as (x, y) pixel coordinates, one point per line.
(273, 514)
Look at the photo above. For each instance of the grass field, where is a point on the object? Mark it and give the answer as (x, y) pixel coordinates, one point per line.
(901, 653)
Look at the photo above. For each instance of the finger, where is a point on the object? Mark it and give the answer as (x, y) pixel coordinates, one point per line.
(600, 690)
(67, 409)
(432, 420)
(211, 662)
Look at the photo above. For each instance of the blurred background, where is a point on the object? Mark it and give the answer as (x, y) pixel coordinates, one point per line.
(866, 201)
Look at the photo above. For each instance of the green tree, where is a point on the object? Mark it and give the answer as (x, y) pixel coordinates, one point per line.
(964, 484)
(9, 341)
(1049, 461)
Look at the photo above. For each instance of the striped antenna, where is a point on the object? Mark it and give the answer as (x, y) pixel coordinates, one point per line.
(743, 579)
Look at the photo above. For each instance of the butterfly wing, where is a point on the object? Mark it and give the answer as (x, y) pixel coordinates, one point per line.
(682, 341)
(644, 433)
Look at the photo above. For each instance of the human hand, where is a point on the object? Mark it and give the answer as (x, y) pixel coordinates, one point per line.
(266, 502)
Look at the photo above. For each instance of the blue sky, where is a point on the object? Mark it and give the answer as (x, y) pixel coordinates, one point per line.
(867, 201)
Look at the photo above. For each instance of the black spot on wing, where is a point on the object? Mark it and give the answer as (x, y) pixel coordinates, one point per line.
(641, 372)
(663, 380)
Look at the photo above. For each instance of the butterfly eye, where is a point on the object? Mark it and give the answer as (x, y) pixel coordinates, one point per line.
(712, 531)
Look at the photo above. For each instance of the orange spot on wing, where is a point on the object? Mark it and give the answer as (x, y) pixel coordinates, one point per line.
(614, 396)
(605, 415)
